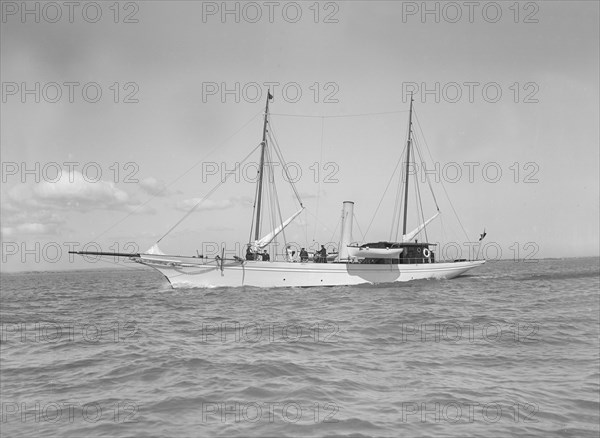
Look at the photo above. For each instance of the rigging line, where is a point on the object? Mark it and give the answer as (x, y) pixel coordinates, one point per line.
(395, 211)
(418, 149)
(400, 191)
(421, 156)
(338, 116)
(445, 237)
(443, 228)
(341, 221)
(441, 180)
(214, 189)
(425, 227)
(398, 201)
(271, 197)
(317, 219)
(399, 197)
(180, 176)
(419, 203)
(305, 228)
(280, 155)
(358, 225)
(275, 203)
(253, 209)
(268, 190)
(319, 175)
(384, 192)
(402, 201)
(250, 240)
(279, 211)
(418, 191)
(333, 234)
(274, 200)
(284, 164)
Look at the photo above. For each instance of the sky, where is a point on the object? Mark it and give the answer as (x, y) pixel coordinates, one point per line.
(116, 118)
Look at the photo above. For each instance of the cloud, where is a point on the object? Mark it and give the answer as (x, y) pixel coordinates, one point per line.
(154, 187)
(139, 209)
(208, 204)
(30, 223)
(38, 209)
(72, 190)
(30, 229)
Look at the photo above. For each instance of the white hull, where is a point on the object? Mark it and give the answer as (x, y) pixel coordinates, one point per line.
(187, 272)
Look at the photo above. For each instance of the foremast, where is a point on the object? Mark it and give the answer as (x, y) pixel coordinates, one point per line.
(407, 165)
(261, 168)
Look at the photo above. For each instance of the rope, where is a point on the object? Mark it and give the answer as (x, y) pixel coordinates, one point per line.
(339, 116)
(214, 189)
(336, 227)
(384, 192)
(418, 201)
(357, 224)
(284, 164)
(399, 202)
(317, 219)
(275, 203)
(442, 181)
(254, 207)
(417, 144)
(319, 173)
(180, 176)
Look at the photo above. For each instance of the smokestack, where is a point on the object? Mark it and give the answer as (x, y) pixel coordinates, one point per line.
(346, 238)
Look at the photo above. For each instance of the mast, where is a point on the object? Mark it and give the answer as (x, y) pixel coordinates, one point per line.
(407, 165)
(261, 168)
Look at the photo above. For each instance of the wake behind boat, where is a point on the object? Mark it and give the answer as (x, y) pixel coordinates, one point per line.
(354, 263)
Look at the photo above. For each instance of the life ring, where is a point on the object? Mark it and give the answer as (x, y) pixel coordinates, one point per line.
(426, 253)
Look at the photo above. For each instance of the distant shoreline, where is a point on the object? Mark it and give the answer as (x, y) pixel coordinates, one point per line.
(120, 267)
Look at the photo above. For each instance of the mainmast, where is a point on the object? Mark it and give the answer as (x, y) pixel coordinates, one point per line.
(407, 165)
(261, 168)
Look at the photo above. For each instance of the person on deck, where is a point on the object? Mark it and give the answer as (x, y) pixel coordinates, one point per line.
(249, 253)
(322, 255)
(303, 255)
(265, 256)
(289, 254)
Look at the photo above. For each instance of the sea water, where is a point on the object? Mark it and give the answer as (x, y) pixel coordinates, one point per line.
(511, 349)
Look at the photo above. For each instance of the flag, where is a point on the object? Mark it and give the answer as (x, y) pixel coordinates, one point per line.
(481, 236)
(269, 95)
